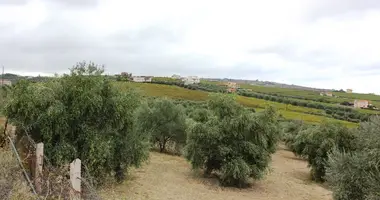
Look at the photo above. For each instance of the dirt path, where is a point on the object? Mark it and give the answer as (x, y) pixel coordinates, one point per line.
(169, 177)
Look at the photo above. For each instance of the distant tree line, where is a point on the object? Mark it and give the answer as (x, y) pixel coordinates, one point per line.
(341, 113)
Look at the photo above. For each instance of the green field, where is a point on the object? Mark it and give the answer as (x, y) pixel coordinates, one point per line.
(310, 115)
(314, 95)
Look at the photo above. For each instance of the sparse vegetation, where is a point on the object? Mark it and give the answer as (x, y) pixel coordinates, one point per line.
(12, 184)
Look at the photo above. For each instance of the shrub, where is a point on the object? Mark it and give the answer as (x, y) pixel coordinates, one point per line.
(356, 175)
(201, 115)
(164, 121)
(235, 144)
(290, 131)
(317, 142)
(81, 116)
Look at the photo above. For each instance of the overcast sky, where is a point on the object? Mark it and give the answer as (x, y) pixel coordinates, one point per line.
(319, 43)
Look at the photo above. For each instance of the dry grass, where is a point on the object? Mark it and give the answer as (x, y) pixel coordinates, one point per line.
(12, 184)
(170, 177)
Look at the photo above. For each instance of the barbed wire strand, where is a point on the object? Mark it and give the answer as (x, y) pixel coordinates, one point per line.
(89, 184)
(22, 167)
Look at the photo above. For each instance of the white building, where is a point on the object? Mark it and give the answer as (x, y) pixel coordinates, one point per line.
(5, 82)
(361, 104)
(191, 80)
(142, 79)
(329, 94)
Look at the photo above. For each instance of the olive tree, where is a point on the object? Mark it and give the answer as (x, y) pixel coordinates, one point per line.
(81, 115)
(315, 143)
(235, 144)
(163, 120)
(355, 175)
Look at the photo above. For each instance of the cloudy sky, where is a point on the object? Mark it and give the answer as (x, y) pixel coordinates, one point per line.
(318, 43)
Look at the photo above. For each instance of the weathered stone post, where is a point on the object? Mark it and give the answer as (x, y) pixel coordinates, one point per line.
(75, 178)
(38, 167)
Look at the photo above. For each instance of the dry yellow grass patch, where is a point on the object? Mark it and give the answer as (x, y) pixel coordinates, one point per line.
(169, 177)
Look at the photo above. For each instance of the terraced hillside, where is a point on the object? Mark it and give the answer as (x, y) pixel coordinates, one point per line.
(310, 115)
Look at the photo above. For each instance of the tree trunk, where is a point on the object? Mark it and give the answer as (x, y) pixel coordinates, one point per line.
(162, 146)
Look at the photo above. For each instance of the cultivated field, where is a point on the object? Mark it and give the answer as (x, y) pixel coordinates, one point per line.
(309, 115)
(170, 177)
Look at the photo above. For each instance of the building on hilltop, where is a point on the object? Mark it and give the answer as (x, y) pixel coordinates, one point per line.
(191, 80)
(232, 85)
(5, 82)
(349, 90)
(142, 79)
(329, 94)
(361, 103)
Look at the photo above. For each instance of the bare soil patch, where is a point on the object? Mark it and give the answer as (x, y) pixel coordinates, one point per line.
(168, 177)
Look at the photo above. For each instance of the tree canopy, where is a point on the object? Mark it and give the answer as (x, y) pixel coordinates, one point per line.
(81, 115)
(236, 144)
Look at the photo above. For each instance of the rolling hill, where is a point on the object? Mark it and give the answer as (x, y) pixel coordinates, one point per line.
(287, 111)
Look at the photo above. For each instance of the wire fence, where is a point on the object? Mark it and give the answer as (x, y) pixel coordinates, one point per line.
(54, 180)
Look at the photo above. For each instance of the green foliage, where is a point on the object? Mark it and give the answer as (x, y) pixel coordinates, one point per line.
(81, 116)
(288, 111)
(201, 115)
(236, 144)
(290, 131)
(355, 175)
(315, 143)
(163, 120)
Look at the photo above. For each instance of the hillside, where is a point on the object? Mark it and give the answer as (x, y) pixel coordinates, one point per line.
(287, 111)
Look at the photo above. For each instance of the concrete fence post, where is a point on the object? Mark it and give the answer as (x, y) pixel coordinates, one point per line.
(38, 167)
(75, 178)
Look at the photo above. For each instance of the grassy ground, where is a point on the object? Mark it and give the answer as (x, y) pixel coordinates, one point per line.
(341, 96)
(170, 177)
(310, 115)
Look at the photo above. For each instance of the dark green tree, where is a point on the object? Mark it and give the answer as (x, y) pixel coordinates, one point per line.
(315, 143)
(355, 175)
(81, 115)
(235, 144)
(164, 121)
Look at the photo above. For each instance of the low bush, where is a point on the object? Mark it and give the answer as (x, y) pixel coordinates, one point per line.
(355, 175)
(290, 131)
(315, 143)
(235, 144)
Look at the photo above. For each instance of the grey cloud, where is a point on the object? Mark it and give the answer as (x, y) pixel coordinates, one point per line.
(292, 53)
(57, 44)
(151, 39)
(13, 2)
(74, 3)
(331, 8)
